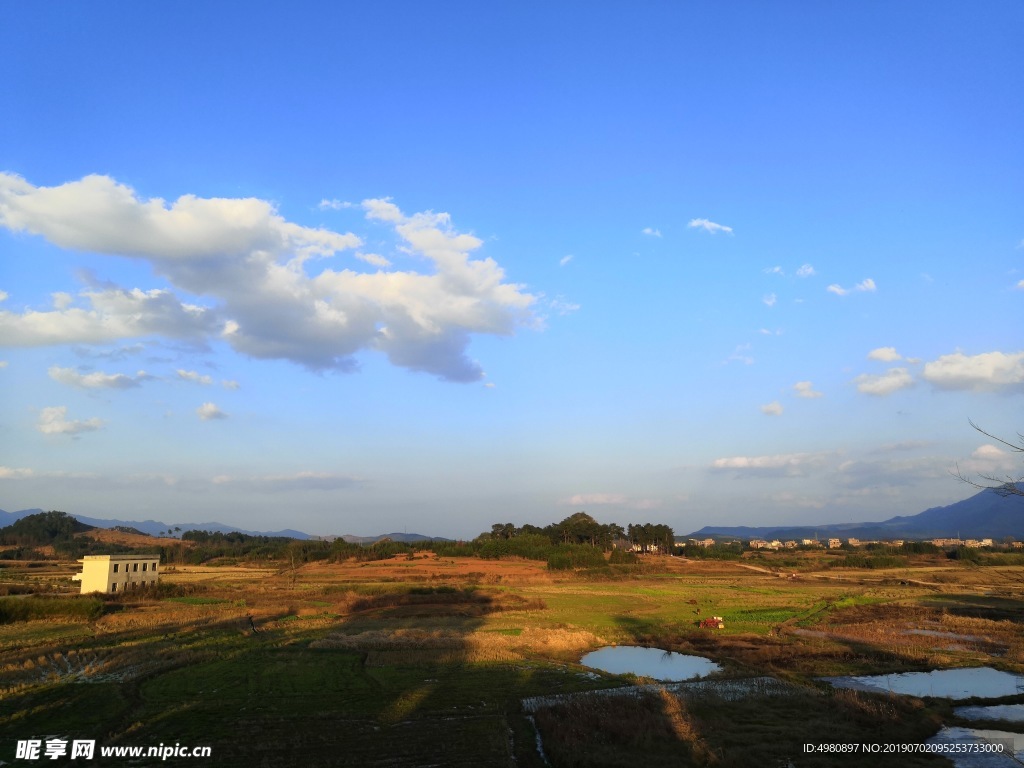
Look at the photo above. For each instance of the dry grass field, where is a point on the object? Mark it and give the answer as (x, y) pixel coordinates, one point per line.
(426, 660)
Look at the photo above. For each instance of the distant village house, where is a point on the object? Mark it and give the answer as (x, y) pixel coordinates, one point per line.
(117, 573)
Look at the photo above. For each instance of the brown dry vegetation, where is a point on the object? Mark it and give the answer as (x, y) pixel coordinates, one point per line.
(435, 648)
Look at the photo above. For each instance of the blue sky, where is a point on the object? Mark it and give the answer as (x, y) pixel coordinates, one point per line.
(355, 269)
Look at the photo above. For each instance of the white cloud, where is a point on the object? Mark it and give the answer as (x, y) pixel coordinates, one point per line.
(782, 465)
(987, 372)
(194, 376)
(208, 411)
(769, 299)
(3, 295)
(333, 205)
(298, 481)
(773, 271)
(254, 266)
(885, 354)
(1020, 285)
(805, 389)
(114, 314)
(53, 421)
(651, 232)
(709, 226)
(565, 260)
(563, 307)
(805, 271)
(62, 300)
(230, 384)
(773, 408)
(865, 285)
(98, 214)
(989, 453)
(4, 363)
(990, 459)
(884, 384)
(15, 473)
(97, 379)
(869, 475)
(374, 259)
(610, 499)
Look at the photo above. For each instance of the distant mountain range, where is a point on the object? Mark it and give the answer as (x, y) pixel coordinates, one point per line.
(157, 528)
(153, 527)
(985, 515)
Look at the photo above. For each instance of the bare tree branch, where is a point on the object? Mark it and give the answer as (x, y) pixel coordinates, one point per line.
(1007, 486)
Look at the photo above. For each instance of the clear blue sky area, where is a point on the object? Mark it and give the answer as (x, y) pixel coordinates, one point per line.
(410, 266)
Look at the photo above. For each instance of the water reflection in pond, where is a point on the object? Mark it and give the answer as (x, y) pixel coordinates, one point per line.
(649, 662)
(1010, 712)
(983, 682)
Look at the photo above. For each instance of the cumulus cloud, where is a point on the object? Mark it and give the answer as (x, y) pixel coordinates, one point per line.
(230, 384)
(769, 299)
(113, 314)
(773, 271)
(1020, 284)
(805, 389)
(651, 232)
(54, 421)
(777, 465)
(208, 411)
(773, 408)
(884, 384)
(374, 259)
(61, 300)
(255, 267)
(565, 260)
(709, 226)
(865, 285)
(987, 372)
(990, 453)
(805, 271)
(97, 379)
(4, 363)
(194, 376)
(885, 354)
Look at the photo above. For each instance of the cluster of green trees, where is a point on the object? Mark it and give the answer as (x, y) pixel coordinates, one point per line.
(581, 528)
(21, 539)
(578, 541)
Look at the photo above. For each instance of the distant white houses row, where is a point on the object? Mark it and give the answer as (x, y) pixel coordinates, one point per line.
(117, 573)
(836, 543)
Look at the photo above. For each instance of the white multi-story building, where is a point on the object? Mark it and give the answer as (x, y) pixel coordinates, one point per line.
(117, 573)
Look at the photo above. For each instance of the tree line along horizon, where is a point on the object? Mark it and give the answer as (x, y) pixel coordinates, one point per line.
(576, 542)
